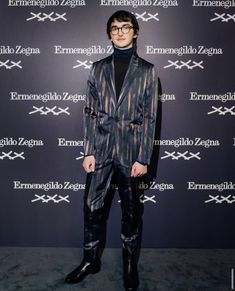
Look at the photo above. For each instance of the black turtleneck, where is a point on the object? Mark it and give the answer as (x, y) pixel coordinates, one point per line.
(121, 62)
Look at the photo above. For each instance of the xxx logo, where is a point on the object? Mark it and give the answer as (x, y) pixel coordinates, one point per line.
(43, 16)
(10, 64)
(180, 65)
(220, 199)
(45, 110)
(177, 155)
(47, 198)
(12, 155)
(224, 17)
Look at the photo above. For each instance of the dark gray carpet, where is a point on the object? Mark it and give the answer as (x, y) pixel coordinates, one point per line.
(44, 269)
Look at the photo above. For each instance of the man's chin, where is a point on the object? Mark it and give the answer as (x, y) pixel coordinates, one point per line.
(122, 47)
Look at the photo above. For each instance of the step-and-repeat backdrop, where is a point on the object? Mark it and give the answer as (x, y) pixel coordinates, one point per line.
(46, 50)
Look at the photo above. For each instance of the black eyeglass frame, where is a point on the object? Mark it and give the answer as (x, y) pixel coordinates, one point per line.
(126, 26)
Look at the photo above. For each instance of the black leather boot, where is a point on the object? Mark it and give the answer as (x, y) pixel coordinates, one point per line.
(130, 271)
(132, 210)
(84, 269)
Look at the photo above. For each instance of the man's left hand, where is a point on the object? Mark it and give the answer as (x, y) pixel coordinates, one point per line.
(138, 170)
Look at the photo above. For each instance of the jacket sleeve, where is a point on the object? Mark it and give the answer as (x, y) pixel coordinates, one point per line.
(90, 115)
(149, 117)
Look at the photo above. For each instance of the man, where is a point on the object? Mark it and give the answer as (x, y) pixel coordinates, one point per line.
(119, 118)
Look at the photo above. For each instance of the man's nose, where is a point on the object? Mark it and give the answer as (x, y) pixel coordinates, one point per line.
(120, 31)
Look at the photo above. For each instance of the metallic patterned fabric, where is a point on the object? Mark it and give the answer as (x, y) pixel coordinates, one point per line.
(97, 203)
(123, 129)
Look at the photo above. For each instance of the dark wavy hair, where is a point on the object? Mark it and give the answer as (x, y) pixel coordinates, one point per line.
(122, 15)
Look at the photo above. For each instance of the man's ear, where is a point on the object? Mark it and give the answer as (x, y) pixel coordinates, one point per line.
(136, 34)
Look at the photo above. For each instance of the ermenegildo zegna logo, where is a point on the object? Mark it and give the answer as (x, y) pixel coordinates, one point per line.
(88, 51)
(50, 185)
(19, 50)
(47, 96)
(140, 3)
(184, 50)
(186, 141)
(221, 3)
(224, 186)
(223, 97)
(47, 3)
(190, 148)
(20, 141)
(63, 142)
(212, 189)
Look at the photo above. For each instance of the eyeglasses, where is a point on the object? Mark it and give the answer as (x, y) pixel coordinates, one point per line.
(124, 29)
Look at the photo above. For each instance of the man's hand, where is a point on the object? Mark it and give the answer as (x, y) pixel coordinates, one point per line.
(138, 170)
(89, 164)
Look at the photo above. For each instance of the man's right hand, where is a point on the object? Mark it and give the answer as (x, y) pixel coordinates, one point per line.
(89, 164)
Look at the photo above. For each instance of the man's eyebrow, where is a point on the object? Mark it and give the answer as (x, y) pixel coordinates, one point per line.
(121, 26)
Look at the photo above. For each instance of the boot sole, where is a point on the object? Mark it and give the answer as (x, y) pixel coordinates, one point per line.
(93, 271)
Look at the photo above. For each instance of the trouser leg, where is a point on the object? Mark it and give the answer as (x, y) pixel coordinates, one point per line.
(96, 209)
(96, 204)
(132, 212)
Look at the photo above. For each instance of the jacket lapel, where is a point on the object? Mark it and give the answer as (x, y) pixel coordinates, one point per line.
(130, 74)
(109, 74)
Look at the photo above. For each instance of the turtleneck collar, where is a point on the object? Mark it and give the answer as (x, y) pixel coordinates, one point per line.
(126, 53)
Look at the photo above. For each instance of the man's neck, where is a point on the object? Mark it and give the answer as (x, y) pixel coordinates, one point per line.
(125, 53)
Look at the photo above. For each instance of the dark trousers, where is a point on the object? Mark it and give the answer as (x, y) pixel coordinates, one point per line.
(97, 201)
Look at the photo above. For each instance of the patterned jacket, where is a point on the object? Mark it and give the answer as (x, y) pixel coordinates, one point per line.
(123, 129)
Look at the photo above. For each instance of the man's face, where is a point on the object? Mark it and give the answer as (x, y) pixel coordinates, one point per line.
(122, 39)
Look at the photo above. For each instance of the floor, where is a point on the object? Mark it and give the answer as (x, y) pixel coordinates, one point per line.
(44, 269)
